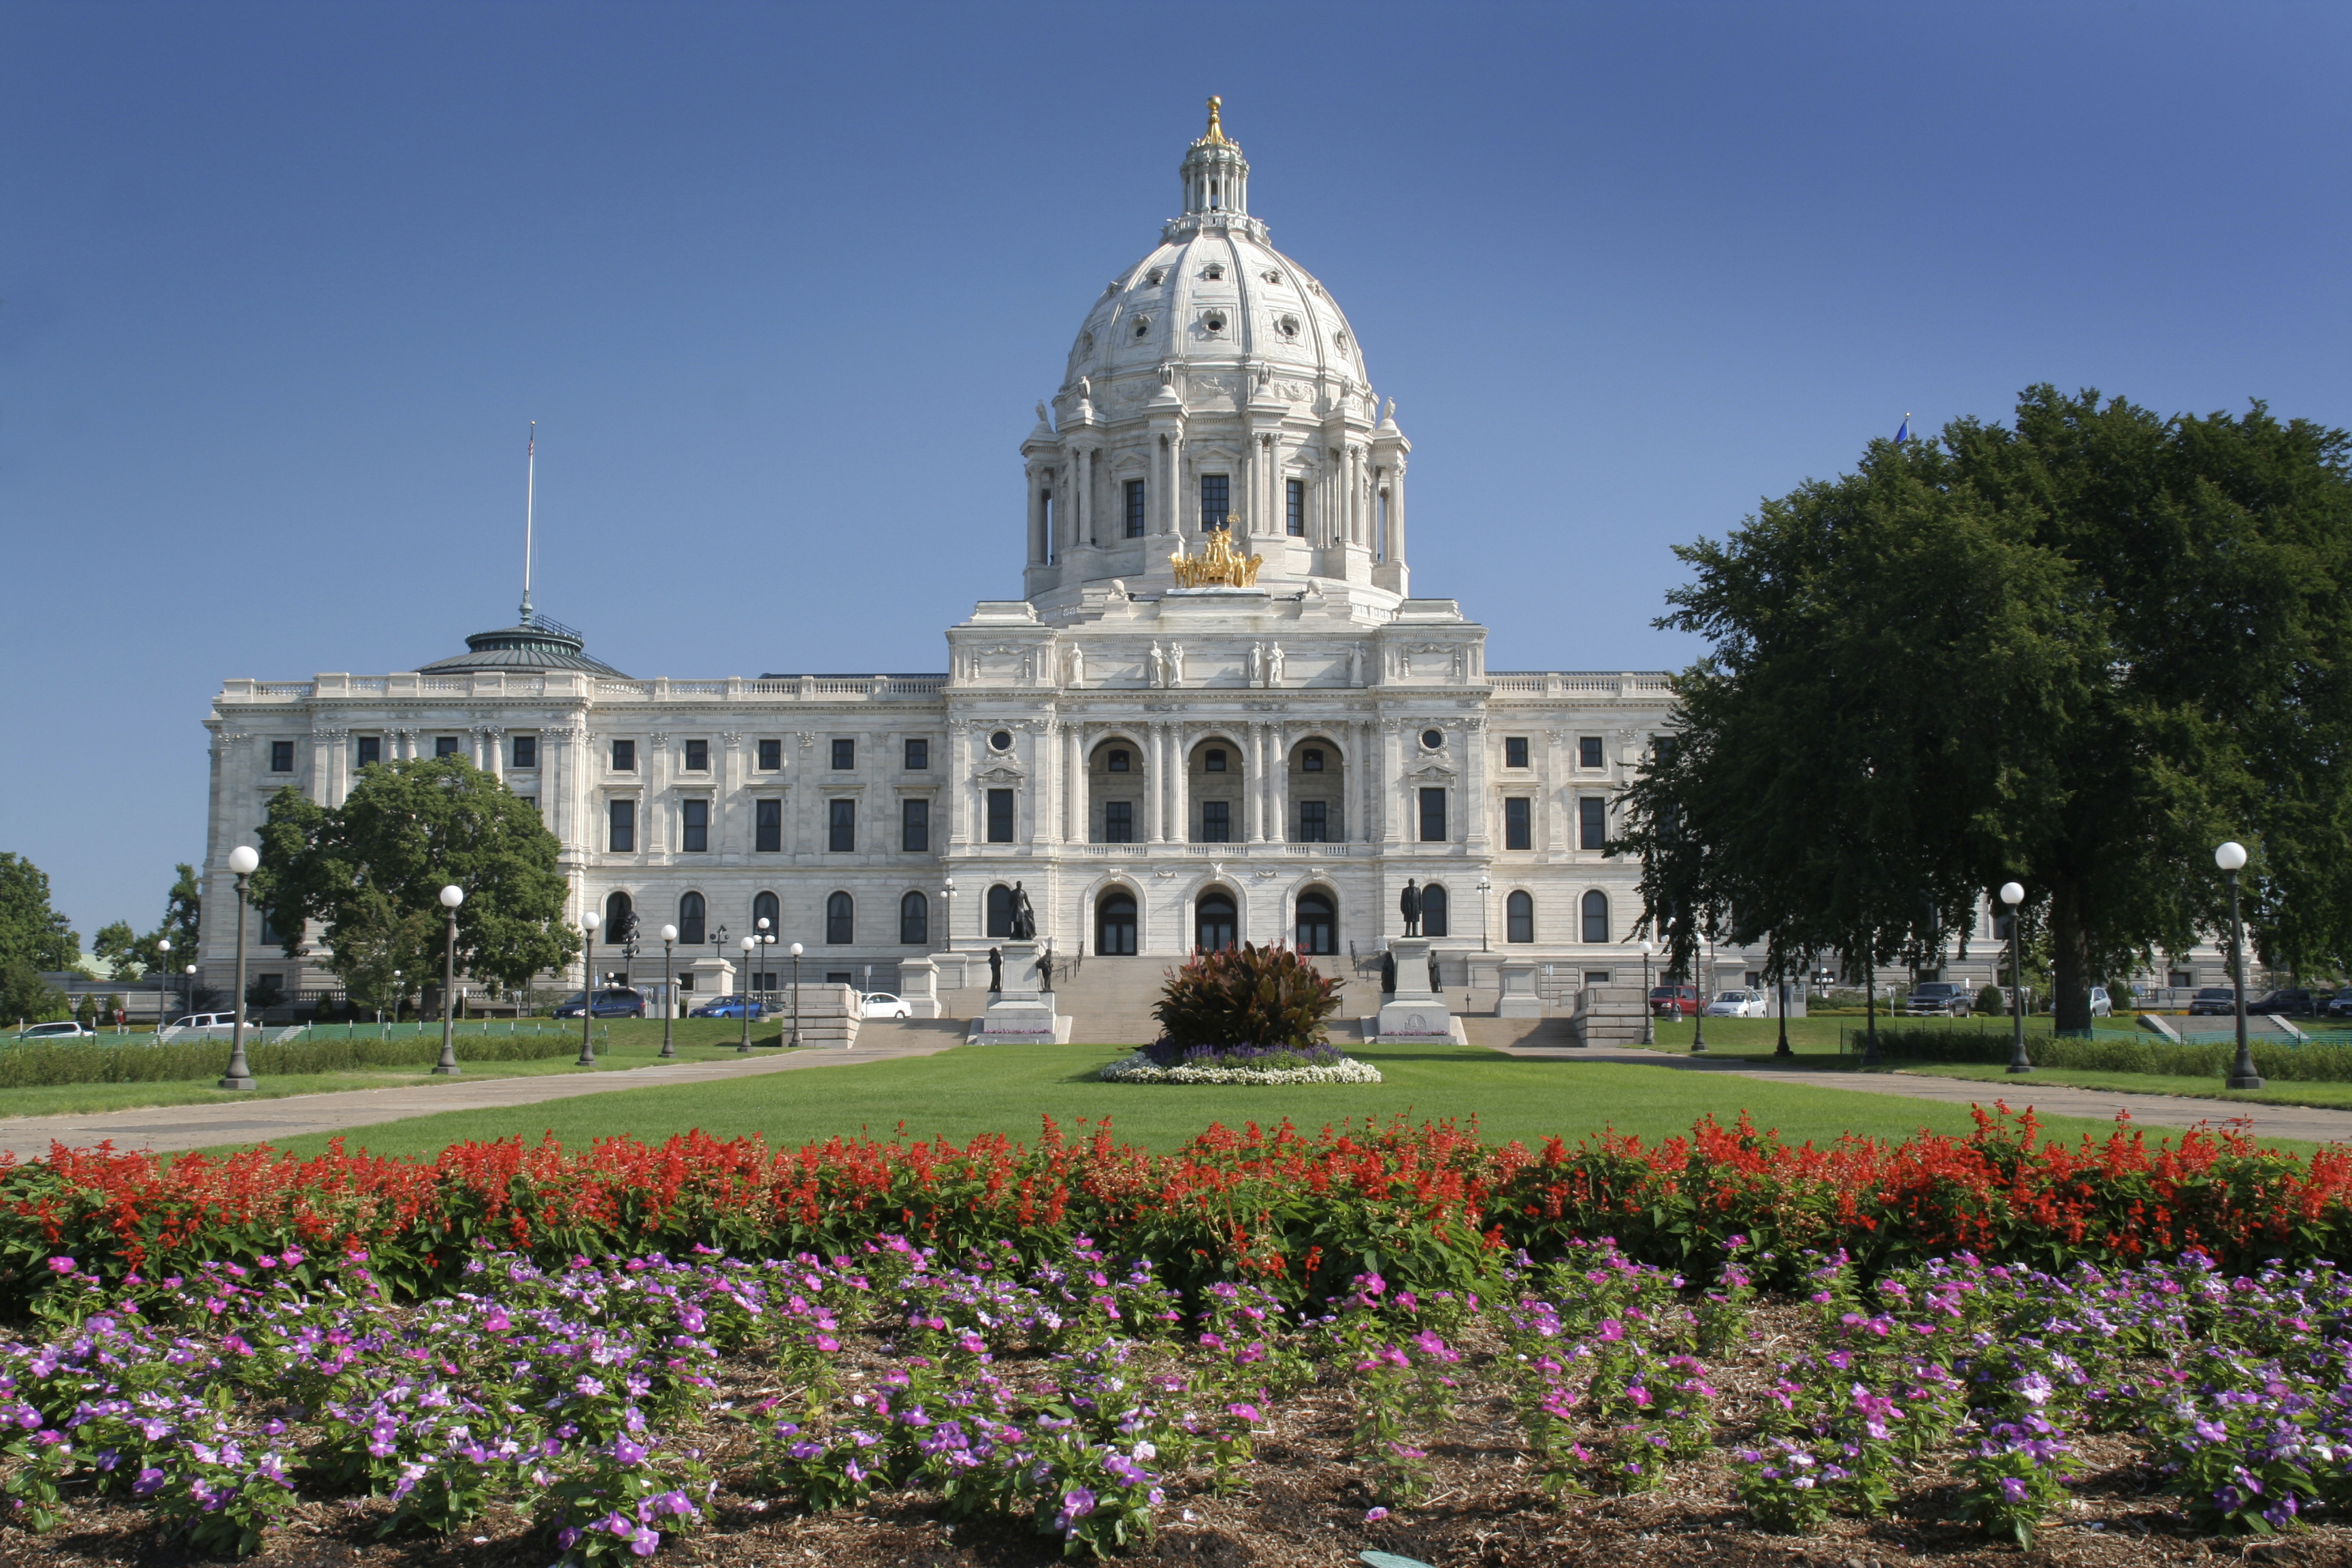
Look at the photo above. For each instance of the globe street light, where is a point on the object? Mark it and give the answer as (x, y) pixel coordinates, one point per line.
(744, 996)
(588, 925)
(2014, 894)
(796, 993)
(188, 992)
(1649, 1008)
(1484, 926)
(162, 969)
(243, 861)
(947, 890)
(2232, 858)
(451, 897)
(1707, 983)
(399, 994)
(767, 939)
(670, 987)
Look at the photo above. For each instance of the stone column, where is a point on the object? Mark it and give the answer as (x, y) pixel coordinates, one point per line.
(1254, 790)
(1045, 765)
(959, 791)
(1180, 782)
(1475, 804)
(733, 810)
(1155, 779)
(1393, 805)
(1077, 819)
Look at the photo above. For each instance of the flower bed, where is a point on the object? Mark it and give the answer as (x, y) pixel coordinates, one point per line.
(1167, 1062)
(1429, 1206)
(861, 1403)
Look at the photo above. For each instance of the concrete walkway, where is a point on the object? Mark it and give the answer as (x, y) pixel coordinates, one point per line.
(164, 1128)
(2309, 1123)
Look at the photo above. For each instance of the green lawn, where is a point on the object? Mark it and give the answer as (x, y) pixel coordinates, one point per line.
(1007, 1088)
(622, 1043)
(2278, 1092)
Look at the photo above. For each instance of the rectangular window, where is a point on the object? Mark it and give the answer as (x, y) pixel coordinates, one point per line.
(845, 757)
(1519, 831)
(1515, 751)
(1433, 817)
(1000, 817)
(915, 824)
(371, 750)
(1313, 822)
(1591, 823)
(1216, 501)
(623, 815)
(625, 756)
(526, 751)
(1119, 822)
(771, 755)
(1597, 977)
(1216, 822)
(445, 745)
(281, 756)
(1135, 509)
(1587, 751)
(698, 756)
(768, 825)
(1293, 504)
(1119, 762)
(918, 756)
(841, 829)
(1214, 761)
(1310, 760)
(695, 820)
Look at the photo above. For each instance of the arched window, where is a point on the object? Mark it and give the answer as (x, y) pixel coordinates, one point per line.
(1434, 909)
(764, 908)
(914, 920)
(1319, 923)
(1596, 916)
(1000, 911)
(1214, 920)
(1519, 918)
(691, 913)
(1114, 924)
(840, 920)
(620, 918)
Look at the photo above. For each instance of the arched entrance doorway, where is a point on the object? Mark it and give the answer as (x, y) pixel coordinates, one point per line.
(1319, 922)
(1115, 924)
(1215, 922)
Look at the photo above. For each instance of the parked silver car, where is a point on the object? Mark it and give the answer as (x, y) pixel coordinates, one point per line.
(203, 1027)
(66, 1029)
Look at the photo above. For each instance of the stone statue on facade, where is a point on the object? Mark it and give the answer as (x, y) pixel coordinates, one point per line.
(1155, 666)
(1024, 918)
(1356, 665)
(1409, 906)
(1175, 664)
(1077, 663)
(1274, 665)
(1256, 663)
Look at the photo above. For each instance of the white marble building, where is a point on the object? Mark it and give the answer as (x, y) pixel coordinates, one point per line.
(1161, 765)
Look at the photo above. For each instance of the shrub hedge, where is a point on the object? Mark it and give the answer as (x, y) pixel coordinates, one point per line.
(34, 1065)
(2115, 1053)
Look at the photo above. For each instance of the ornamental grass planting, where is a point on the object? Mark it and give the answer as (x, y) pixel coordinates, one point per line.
(1267, 1348)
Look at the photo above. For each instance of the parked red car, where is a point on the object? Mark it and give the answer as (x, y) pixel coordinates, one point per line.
(1673, 1001)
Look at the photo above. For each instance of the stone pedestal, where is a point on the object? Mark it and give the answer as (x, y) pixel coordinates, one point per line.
(919, 986)
(713, 978)
(1413, 1011)
(1516, 990)
(1023, 1012)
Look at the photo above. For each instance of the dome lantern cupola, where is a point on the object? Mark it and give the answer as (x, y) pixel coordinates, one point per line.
(1215, 174)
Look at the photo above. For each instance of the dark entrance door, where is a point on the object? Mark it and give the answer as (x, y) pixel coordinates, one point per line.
(1115, 925)
(1214, 922)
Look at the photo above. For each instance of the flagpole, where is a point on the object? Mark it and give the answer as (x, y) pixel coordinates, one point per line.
(530, 501)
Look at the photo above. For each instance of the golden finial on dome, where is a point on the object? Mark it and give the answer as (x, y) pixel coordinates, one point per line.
(1217, 130)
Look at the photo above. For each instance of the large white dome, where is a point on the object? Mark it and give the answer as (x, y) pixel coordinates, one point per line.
(1213, 380)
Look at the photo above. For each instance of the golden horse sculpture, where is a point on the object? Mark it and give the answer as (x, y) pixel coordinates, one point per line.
(1219, 564)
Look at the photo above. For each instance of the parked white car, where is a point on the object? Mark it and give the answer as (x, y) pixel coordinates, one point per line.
(203, 1027)
(1737, 1005)
(882, 1005)
(65, 1030)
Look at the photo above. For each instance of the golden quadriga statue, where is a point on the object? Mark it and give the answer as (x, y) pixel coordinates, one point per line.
(1219, 564)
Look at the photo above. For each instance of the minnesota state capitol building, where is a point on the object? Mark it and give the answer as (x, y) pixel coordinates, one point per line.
(1218, 711)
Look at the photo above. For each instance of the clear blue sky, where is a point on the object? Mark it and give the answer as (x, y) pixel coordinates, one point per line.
(280, 286)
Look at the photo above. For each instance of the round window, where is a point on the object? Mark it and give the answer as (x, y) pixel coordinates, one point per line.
(1432, 739)
(1002, 740)
(1215, 321)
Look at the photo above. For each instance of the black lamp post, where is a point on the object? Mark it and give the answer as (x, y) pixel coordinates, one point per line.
(2232, 858)
(451, 897)
(188, 992)
(588, 925)
(670, 987)
(743, 996)
(1698, 1021)
(1649, 1007)
(797, 995)
(2014, 894)
(162, 984)
(243, 860)
(1780, 985)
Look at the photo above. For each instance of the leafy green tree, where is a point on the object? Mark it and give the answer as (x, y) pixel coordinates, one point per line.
(118, 945)
(372, 871)
(26, 997)
(31, 932)
(2077, 653)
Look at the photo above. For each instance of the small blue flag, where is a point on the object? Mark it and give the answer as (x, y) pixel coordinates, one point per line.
(1903, 431)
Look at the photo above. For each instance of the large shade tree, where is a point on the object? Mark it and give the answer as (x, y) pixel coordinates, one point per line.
(2076, 652)
(372, 871)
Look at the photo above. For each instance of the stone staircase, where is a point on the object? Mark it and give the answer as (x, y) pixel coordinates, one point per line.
(1109, 1002)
